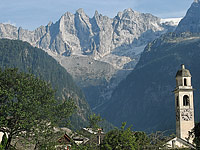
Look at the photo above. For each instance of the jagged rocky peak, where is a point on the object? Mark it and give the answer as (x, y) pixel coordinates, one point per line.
(81, 16)
(66, 24)
(82, 19)
(102, 20)
(119, 15)
(191, 21)
(81, 12)
(129, 13)
(137, 16)
(68, 15)
(129, 10)
(133, 24)
(96, 14)
(99, 36)
(50, 23)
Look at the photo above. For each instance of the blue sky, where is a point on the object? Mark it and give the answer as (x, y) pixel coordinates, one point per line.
(30, 14)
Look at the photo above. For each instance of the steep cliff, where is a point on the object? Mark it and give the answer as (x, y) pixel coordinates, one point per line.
(191, 21)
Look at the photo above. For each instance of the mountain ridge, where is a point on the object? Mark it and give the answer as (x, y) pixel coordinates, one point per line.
(114, 44)
(191, 21)
(78, 34)
(21, 55)
(145, 97)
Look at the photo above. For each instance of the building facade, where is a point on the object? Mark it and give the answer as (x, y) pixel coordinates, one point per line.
(184, 107)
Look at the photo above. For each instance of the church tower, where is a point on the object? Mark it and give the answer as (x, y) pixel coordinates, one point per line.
(184, 104)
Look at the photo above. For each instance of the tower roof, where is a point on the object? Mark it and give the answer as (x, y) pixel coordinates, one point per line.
(183, 72)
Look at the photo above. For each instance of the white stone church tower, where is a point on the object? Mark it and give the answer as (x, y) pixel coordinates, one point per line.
(184, 107)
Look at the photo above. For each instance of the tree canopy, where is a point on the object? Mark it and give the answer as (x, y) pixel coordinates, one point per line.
(94, 121)
(21, 55)
(119, 139)
(196, 132)
(28, 106)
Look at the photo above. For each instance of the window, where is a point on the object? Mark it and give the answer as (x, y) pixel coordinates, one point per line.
(186, 101)
(177, 101)
(173, 143)
(185, 82)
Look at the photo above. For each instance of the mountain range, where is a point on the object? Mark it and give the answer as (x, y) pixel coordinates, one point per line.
(98, 52)
(99, 36)
(125, 65)
(191, 22)
(145, 98)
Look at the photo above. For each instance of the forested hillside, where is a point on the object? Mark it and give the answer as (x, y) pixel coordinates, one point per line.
(145, 98)
(18, 54)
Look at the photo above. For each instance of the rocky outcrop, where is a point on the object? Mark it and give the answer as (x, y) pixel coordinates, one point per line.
(191, 22)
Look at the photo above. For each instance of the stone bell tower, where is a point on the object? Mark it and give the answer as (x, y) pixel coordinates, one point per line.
(184, 104)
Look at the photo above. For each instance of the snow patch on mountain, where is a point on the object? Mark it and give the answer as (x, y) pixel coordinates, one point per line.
(171, 21)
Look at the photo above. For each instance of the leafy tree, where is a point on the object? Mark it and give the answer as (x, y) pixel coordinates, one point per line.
(94, 121)
(158, 140)
(142, 140)
(119, 139)
(196, 132)
(28, 107)
(21, 55)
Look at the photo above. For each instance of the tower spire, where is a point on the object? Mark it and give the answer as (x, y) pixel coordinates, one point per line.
(183, 66)
(184, 104)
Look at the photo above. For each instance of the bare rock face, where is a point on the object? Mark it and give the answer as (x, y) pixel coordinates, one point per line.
(8, 31)
(130, 25)
(97, 37)
(191, 21)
